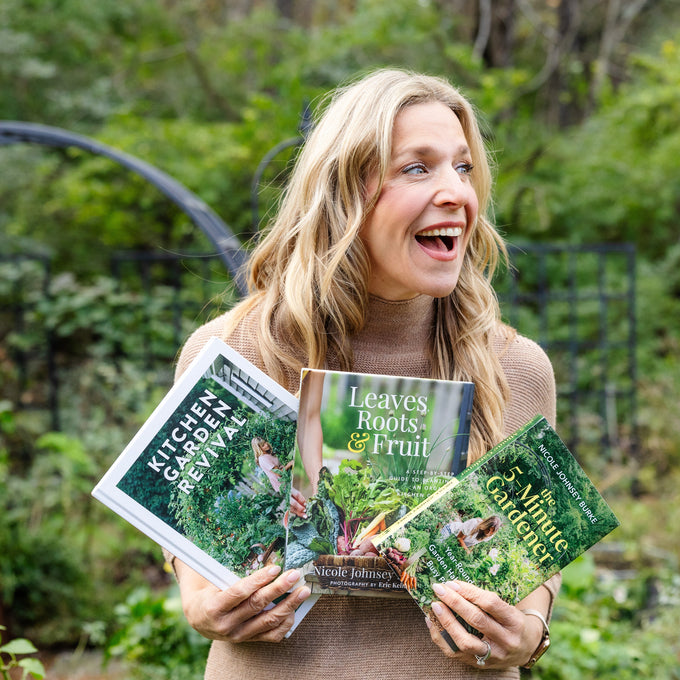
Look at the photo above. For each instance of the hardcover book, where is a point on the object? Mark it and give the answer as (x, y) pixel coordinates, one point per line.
(208, 474)
(368, 448)
(507, 523)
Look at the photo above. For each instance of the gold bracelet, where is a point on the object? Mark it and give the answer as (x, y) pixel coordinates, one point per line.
(545, 640)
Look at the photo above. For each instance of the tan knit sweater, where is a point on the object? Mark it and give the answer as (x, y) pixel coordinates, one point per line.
(362, 637)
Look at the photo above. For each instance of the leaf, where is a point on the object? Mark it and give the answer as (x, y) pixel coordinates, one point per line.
(34, 667)
(18, 646)
(579, 576)
(321, 546)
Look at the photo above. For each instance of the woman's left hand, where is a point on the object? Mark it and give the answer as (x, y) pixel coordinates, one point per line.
(511, 636)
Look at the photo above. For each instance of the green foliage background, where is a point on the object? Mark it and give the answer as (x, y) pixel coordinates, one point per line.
(203, 90)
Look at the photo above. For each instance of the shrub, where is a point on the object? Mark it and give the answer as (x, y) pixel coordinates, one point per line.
(153, 636)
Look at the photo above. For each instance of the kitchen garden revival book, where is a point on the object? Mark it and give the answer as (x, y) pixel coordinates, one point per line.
(368, 448)
(207, 476)
(507, 523)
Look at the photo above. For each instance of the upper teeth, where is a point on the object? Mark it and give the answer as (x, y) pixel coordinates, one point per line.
(448, 231)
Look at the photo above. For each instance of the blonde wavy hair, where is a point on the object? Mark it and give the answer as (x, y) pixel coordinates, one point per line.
(258, 445)
(308, 275)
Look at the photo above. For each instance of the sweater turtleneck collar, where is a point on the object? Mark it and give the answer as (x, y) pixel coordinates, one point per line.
(401, 321)
(396, 336)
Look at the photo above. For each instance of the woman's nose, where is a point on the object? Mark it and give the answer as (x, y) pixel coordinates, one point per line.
(454, 189)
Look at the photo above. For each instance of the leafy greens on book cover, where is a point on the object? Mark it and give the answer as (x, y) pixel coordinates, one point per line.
(508, 523)
(208, 474)
(368, 448)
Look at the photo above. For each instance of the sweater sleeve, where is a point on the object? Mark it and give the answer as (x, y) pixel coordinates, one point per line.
(197, 341)
(530, 378)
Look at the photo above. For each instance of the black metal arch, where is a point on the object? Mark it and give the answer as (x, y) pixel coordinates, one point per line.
(228, 247)
(305, 126)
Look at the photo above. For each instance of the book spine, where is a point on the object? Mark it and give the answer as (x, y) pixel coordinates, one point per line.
(460, 455)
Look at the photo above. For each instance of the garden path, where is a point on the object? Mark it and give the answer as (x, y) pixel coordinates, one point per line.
(88, 665)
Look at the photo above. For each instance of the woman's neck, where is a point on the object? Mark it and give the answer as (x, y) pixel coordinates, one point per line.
(396, 337)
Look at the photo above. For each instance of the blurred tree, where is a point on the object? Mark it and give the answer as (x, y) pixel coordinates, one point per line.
(615, 177)
(63, 61)
(495, 38)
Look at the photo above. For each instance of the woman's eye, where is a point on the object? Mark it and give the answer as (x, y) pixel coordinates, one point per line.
(464, 168)
(414, 169)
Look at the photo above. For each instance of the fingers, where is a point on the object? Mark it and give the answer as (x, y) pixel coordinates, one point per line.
(467, 648)
(435, 629)
(272, 624)
(245, 611)
(263, 597)
(481, 609)
(252, 594)
(259, 585)
(500, 624)
(298, 504)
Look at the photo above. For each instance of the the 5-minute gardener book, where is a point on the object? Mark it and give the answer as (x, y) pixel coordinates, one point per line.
(208, 474)
(507, 523)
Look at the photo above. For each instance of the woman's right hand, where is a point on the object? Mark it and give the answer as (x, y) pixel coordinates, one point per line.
(238, 613)
(298, 504)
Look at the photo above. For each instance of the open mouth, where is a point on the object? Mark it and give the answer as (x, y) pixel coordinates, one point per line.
(439, 239)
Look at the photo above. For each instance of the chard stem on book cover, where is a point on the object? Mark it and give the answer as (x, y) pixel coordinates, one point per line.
(508, 523)
(368, 448)
(208, 474)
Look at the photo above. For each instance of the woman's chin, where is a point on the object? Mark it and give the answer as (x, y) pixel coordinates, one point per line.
(439, 285)
(440, 289)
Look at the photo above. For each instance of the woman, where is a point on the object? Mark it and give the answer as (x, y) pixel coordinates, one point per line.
(379, 261)
(268, 462)
(472, 531)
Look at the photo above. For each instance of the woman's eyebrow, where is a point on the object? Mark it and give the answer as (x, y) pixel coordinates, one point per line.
(428, 151)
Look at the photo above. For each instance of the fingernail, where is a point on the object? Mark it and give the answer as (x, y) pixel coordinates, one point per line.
(273, 571)
(438, 589)
(293, 577)
(304, 593)
(454, 585)
(428, 623)
(437, 608)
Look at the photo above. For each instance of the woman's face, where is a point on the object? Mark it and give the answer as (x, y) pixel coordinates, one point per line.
(418, 230)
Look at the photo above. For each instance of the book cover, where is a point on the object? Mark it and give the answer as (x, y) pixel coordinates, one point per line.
(208, 474)
(507, 523)
(368, 448)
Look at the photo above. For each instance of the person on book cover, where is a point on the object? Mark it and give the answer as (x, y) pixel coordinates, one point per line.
(472, 531)
(309, 431)
(268, 462)
(380, 261)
